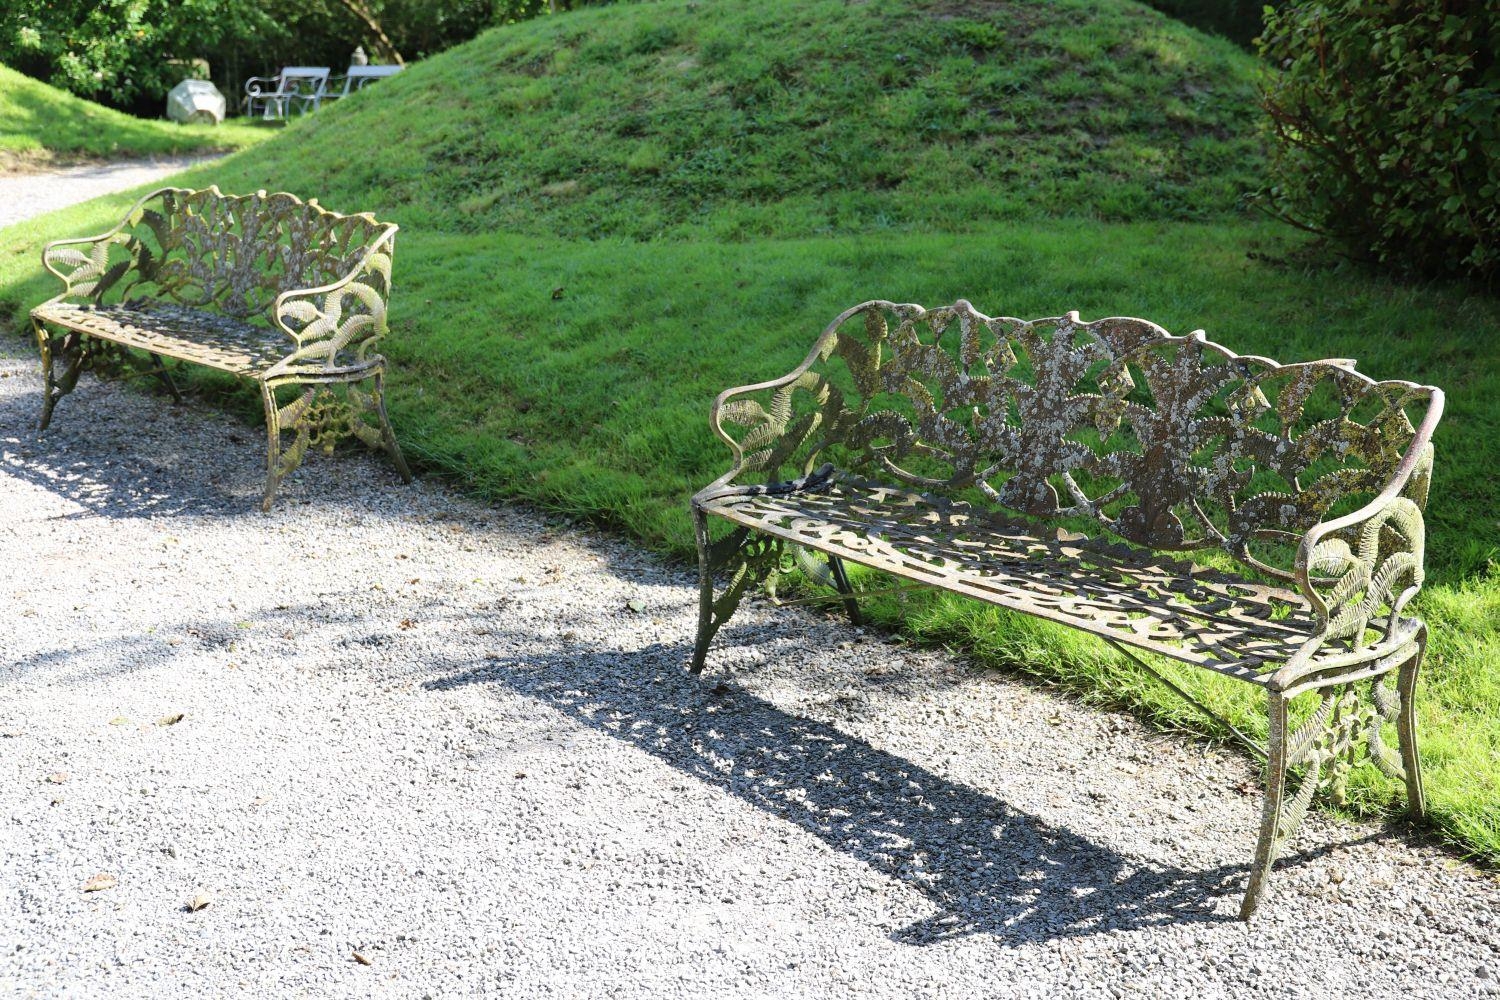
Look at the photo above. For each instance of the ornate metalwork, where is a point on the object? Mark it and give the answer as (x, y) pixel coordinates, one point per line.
(265, 287)
(964, 452)
(1347, 725)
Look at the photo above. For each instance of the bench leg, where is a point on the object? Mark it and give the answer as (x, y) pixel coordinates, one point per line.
(1273, 830)
(841, 583)
(742, 559)
(1320, 754)
(1406, 727)
(165, 376)
(69, 349)
(276, 467)
(319, 418)
(387, 435)
(706, 624)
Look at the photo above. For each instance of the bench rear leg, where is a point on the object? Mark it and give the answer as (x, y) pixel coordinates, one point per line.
(165, 376)
(841, 583)
(1406, 728)
(387, 435)
(1273, 830)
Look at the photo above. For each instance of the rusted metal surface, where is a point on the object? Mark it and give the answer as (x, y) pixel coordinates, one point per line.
(962, 451)
(266, 287)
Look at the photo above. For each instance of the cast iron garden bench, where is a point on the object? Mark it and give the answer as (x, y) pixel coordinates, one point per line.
(265, 287)
(963, 452)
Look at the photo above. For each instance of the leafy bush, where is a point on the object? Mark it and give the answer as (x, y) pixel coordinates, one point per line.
(1385, 116)
(123, 52)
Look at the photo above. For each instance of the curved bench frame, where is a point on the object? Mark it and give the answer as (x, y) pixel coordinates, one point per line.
(221, 281)
(1000, 424)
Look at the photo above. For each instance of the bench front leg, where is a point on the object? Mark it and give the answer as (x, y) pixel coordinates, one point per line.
(68, 347)
(742, 559)
(1273, 832)
(1406, 728)
(1319, 755)
(318, 417)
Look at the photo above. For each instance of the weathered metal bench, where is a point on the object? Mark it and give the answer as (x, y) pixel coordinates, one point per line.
(962, 452)
(265, 287)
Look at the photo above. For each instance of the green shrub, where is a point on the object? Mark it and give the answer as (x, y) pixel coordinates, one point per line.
(1385, 116)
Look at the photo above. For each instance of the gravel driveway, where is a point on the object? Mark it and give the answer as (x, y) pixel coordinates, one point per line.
(23, 195)
(408, 745)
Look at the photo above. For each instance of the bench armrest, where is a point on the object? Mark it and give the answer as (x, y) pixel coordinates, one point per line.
(1358, 572)
(334, 326)
(84, 265)
(254, 85)
(781, 440)
(766, 442)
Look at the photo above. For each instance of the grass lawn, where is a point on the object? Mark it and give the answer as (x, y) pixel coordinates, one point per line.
(40, 124)
(1103, 178)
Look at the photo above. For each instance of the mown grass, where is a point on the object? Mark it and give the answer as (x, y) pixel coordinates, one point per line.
(752, 120)
(40, 124)
(595, 402)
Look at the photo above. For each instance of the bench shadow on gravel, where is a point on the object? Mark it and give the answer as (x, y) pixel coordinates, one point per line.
(987, 867)
(158, 469)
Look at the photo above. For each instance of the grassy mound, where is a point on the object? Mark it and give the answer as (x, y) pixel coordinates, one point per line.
(40, 124)
(755, 118)
(788, 161)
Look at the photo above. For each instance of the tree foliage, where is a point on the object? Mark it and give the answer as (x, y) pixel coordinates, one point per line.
(124, 52)
(1385, 116)
(116, 50)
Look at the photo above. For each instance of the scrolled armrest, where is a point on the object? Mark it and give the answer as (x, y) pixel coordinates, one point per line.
(253, 85)
(1355, 573)
(334, 326)
(781, 441)
(83, 264)
(773, 431)
(1360, 571)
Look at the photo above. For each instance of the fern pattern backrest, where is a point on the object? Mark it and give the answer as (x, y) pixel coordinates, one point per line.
(236, 253)
(1173, 443)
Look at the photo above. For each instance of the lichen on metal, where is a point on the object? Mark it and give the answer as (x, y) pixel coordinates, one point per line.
(965, 452)
(263, 286)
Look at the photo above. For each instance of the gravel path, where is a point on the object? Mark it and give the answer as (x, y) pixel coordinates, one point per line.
(23, 195)
(408, 745)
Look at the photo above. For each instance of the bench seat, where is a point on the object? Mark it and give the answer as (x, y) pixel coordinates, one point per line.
(175, 331)
(1221, 621)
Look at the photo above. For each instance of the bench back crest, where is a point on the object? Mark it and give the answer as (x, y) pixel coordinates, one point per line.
(1173, 443)
(236, 253)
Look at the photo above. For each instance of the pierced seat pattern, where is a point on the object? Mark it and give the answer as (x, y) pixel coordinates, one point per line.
(1230, 624)
(173, 331)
